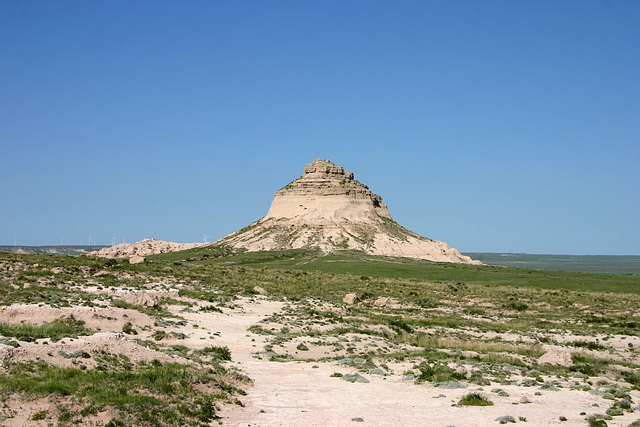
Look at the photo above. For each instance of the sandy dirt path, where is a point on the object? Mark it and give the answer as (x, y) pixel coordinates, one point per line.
(299, 393)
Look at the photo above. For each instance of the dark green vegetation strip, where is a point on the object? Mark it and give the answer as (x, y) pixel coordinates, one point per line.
(59, 328)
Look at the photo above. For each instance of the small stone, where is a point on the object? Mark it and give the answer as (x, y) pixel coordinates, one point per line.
(381, 302)
(355, 378)
(260, 290)
(351, 299)
(556, 357)
(140, 298)
(137, 259)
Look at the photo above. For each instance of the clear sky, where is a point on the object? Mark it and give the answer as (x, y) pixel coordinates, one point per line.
(496, 126)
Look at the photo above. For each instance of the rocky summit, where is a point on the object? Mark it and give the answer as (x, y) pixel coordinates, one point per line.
(327, 208)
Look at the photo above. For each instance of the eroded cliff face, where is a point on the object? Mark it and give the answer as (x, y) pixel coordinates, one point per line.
(327, 208)
(326, 193)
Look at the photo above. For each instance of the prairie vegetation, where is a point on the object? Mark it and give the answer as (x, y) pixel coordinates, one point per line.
(443, 325)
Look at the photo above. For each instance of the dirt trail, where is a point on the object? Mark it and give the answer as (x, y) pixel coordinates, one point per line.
(294, 393)
(298, 393)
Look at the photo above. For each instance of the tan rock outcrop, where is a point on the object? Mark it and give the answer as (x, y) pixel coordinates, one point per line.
(326, 208)
(142, 248)
(137, 259)
(381, 302)
(260, 290)
(141, 298)
(556, 357)
(351, 299)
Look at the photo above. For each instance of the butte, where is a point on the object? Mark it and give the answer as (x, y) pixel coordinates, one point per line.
(327, 209)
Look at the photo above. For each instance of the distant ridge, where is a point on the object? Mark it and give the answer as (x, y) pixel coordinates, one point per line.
(327, 209)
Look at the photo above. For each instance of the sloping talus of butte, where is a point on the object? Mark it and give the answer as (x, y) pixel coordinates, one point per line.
(328, 209)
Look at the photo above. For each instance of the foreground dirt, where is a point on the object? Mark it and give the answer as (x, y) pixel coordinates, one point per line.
(293, 387)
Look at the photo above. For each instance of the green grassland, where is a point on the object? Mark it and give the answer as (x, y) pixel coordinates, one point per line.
(441, 306)
(617, 264)
(358, 263)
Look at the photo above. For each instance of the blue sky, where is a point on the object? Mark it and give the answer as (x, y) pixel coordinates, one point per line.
(496, 126)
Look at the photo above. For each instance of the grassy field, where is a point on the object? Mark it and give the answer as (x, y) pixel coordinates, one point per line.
(491, 320)
(358, 263)
(616, 264)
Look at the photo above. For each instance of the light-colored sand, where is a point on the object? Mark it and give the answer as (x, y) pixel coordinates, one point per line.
(300, 393)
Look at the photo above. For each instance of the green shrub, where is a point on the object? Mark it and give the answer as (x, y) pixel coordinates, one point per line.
(210, 308)
(474, 399)
(587, 344)
(615, 411)
(127, 328)
(439, 372)
(222, 353)
(401, 325)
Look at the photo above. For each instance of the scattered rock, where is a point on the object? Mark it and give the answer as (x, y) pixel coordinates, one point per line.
(140, 298)
(351, 299)
(506, 419)
(137, 259)
(74, 355)
(260, 290)
(355, 378)
(524, 399)
(381, 302)
(556, 357)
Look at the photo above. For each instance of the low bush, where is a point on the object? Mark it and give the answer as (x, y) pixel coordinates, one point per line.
(474, 399)
(222, 353)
